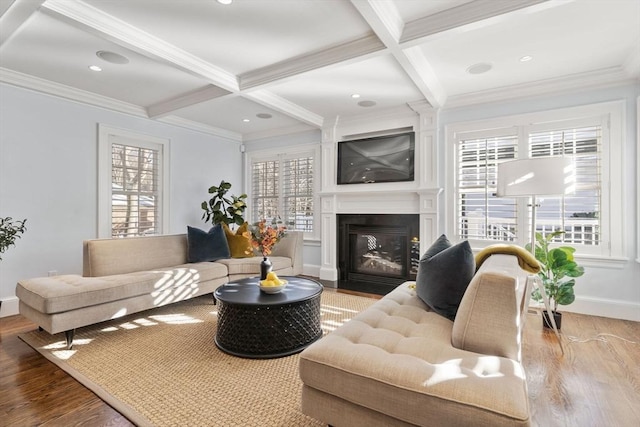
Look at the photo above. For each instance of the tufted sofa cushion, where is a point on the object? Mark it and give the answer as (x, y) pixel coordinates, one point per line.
(396, 358)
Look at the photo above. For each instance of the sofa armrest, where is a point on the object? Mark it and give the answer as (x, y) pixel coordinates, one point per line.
(291, 246)
(488, 320)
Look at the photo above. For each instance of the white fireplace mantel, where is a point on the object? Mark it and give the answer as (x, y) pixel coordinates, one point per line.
(420, 196)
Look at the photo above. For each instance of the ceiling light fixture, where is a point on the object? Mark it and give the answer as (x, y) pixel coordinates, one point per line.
(264, 115)
(479, 68)
(367, 103)
(526, 58)
(112, 57)
(355, 95)
(246, 120)
(225, 2)
(94, 68)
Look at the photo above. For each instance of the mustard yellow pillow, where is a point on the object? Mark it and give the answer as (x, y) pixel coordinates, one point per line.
(239, 245)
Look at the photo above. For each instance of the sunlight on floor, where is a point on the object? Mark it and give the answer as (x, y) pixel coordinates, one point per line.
(176, 319)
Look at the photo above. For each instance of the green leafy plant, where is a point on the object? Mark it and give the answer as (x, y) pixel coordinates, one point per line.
(559, 270)
(222, 208)
(10, 230)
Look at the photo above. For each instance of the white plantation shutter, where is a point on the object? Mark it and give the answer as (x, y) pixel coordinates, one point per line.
(283, 188)
(265, 189)
(482, 215)
(298, 193)
(577, 214)
(135, 190)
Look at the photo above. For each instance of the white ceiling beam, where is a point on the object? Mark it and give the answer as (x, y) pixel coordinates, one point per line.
(466, 16)
(14, 14)
(192, 98)
(277, 103)
(384, 19)
(93, 20)
(107, 26)
(282, 70)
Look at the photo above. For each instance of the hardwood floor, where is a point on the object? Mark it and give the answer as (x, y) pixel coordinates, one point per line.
(596, 382)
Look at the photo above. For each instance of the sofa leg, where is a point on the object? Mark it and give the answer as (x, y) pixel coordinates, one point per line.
(214, 299)
(40, 329)
(69, 337)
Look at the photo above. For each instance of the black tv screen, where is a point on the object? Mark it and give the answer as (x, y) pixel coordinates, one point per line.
(380, 159)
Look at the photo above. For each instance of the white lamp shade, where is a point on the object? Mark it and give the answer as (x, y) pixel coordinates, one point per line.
(540, 176)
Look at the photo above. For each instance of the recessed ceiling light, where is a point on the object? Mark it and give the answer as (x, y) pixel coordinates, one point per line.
(355, 95)
(94, 68)
(246, 120)
(112, 57)
(526, 58)
(479, 68)
(367, 103)
(264, 115)
(225, 1)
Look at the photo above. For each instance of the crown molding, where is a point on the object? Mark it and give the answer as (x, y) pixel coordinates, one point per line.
(197, 96)
(63, 91)
(37, 84)
(392, 113)
(289, 130)
(13, 15)
(338, 53)
(90, 18)
(275, 102)
(199, 127)
(613, 76)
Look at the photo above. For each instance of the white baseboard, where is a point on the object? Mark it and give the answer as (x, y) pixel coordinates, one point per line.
(311, 270)
(615, 309)
(9, 307)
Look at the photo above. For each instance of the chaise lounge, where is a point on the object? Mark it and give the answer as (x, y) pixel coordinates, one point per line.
(124, 276)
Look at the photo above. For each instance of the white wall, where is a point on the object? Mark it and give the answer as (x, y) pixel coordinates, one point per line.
(610, 289)
(48, 174)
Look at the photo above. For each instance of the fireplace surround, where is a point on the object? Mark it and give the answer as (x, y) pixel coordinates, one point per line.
(377, 252)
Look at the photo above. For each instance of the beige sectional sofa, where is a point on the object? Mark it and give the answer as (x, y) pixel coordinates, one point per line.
(400, 364)
(125, 276)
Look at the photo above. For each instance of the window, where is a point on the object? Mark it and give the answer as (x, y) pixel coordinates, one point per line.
(587, 216)
(132, 185)
(283, 186)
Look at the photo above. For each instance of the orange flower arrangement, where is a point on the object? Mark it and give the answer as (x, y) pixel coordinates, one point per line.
(264, 237)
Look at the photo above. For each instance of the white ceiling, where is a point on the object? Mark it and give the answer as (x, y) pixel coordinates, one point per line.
(201, 64)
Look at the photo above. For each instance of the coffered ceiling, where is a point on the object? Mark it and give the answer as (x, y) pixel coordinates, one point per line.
(258, 68)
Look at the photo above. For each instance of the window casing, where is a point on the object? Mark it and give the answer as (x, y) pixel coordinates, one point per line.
(133, 186)
(284, 186)
(589, 216)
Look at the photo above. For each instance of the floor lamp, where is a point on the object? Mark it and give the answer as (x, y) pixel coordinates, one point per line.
(540, 176)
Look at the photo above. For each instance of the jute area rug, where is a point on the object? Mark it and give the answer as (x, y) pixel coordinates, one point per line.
(162, 368)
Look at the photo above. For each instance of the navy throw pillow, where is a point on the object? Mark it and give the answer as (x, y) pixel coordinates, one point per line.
(207, 246)
(444, 273)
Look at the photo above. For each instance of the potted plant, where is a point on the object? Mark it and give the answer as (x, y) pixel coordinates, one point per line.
(558, 272)
(222, 208)
(10, 230)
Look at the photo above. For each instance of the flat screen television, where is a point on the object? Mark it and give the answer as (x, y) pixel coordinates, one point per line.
(379, 159)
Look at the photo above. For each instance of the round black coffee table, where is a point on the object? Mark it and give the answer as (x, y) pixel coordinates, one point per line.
(258, 325)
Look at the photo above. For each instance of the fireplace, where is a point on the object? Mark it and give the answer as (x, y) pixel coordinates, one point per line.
(377, 252)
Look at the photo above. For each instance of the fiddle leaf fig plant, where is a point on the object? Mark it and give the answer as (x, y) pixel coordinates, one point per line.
(222, 208)
(10, 230)
(559, 270)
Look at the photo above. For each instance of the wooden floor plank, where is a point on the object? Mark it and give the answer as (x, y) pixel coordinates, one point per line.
(596, 382)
